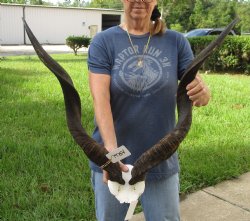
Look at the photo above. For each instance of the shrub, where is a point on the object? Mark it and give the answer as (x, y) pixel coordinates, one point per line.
(77, 42)
(177, 27)
(233, 55)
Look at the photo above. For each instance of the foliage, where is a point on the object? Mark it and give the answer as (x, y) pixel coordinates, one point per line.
(77, 42)
(233, 55)
(191, 14)
(243, 9)
(31, 2)
(115, 4)
(177, 12)
(73, 3)
(177, 27)
(213, 14)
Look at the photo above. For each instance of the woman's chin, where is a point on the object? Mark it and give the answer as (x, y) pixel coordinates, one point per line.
(138, 15)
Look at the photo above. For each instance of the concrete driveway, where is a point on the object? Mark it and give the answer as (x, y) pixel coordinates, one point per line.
(14, 50)
(227, 201)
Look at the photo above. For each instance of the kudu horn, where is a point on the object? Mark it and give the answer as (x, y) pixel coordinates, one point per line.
(91, 148)
(169, 144)
(160, 151)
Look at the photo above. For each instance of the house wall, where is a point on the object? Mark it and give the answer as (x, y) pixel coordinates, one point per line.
(11, 27)
(51, 25)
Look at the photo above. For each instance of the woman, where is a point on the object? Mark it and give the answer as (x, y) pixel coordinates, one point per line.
(134, 72)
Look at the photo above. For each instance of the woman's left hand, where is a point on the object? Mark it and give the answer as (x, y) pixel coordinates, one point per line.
(198, 92)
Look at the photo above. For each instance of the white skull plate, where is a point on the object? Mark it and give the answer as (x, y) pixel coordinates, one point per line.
(126, 193)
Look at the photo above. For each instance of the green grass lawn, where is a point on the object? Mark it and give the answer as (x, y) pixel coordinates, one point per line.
(44, 175)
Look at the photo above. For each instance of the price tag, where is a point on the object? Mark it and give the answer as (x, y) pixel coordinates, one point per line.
(131, 210)
(118, 154)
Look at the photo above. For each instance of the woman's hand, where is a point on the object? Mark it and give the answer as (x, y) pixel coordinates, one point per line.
(105, 177)
(198, 92)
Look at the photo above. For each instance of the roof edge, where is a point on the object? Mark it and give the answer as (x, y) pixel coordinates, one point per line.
(60, 7)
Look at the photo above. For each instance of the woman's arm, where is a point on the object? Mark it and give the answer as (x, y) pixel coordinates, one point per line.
(100, 91)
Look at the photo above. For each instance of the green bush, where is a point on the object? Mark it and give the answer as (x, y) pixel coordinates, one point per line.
(77, 42)
(233, 55)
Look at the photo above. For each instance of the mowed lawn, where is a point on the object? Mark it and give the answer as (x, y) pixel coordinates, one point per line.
(44, 175)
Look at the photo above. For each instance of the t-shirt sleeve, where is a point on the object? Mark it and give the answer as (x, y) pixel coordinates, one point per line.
(185, 55)
(99, 61)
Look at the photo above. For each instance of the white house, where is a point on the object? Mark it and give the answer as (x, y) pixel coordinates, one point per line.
(52, 25)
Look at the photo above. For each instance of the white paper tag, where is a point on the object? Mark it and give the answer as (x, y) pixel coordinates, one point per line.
(118, 154)
(131, 210)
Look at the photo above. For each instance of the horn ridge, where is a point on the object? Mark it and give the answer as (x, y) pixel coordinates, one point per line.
(91, 148)
(169, 144)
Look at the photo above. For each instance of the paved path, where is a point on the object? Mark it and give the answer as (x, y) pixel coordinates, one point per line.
(227, 201)
(14, 50)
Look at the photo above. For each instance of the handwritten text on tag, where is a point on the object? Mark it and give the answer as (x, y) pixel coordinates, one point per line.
(118, 154)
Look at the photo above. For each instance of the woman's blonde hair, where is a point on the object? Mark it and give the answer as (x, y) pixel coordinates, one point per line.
(158, 27)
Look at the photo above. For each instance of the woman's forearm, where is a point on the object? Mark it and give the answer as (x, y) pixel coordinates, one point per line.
(105, 123)
(100, 90)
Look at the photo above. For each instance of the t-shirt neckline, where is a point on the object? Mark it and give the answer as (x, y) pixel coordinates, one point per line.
(132, 35)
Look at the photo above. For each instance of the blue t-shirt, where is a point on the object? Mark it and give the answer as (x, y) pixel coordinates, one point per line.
(143, 98)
